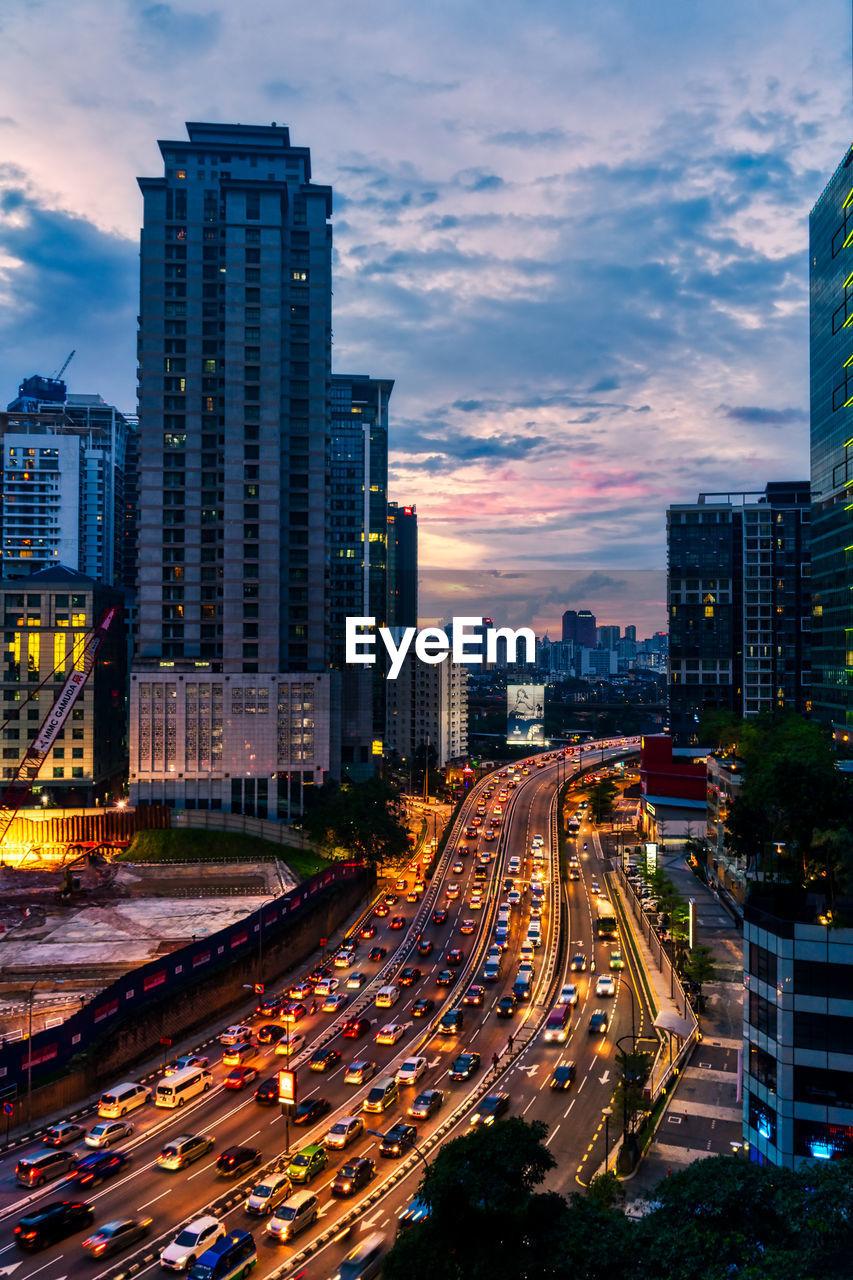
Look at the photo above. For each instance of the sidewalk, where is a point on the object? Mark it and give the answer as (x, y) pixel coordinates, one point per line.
(702, 1115)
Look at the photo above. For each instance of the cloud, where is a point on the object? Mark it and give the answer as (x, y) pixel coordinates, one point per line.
(755, 415)
(546, 138)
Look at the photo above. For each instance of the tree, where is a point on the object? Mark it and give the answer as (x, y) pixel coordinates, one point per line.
(601, 797)
(364, 820)
(700, 967)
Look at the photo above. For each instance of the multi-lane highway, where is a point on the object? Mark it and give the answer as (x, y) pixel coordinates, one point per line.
(524, 1067)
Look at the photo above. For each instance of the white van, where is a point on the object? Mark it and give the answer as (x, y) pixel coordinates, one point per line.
(123, 1098)
(386, 997)
(175, 1090)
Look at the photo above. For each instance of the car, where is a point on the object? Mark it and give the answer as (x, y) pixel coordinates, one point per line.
(298, 1010)
(578, 962)
(322, 1059)
(326, 986)
(462, 850)
(390, 1033)
(301, 989)
(236, 1054)
(270, 1033)
(289, 1045)
(474, 995)
(467, 926)
(334, 1003)
(191, 1242)
(562, 1076)
(97, 1167)
(452, 892)
(426, 1104)
(445, 978)
(377, 953)
(424, 947)
(368, 931)
(234, 1034)
(107, 1133)
(360, 1071)
(598, 1022)
(568, 994)
(189, 1060)
(397, 922)
(475, 902)
(471, 833)
(465, 1066)
(268, 1008)
(513, 898)
(596, 888)
(399, 1139)
(490, 1109)
(51, 1223)
(458, 868)
(310, 1110)
(267, 1092)
(44, 1166)
(410, 1070)
(616, 960)
(356, 980)
(439, 916)
(116, 1235)
(354, 1028)
(401, 886)
(266, 1195)
(344, 960)
(506, 1006)
(352, 1176)
(63, 1134)
(381, 910)
(454, 957)
(538, 841)
(344, 1131)
(240, 1078)
(422, 1008)
(390, 899)
(605, 985)
(409, 976)
(237, 1159)
(308, 1162)
(413, 895)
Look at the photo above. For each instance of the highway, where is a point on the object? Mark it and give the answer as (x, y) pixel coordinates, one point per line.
(573, 1117)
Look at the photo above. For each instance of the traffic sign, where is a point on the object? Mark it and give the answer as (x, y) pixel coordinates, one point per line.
(259, 988)
(166, 1040)
(323, 941)
(8, 1108)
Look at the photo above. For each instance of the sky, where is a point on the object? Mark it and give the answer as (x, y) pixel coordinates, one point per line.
(575, 235)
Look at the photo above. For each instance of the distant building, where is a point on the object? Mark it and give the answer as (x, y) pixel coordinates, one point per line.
(608, 637)
(739, 604)
(428, 705)
(580, 627)
(47, 617)
(402, 553)
(831, 418)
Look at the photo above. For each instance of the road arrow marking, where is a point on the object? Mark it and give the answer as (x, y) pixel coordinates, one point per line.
(368, 1222)
(7, 1271)
(434, 1062)
(603, 1079)
(325, 1209)
(529, 1071)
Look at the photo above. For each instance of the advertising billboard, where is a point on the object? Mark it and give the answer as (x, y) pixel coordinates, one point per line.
(525, 713)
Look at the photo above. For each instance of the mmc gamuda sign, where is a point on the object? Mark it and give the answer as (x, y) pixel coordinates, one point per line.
(465, 640)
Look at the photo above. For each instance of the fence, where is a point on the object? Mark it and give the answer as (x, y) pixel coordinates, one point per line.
(262, 828)
(54, 1047)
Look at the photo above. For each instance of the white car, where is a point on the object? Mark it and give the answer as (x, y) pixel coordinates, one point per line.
(345, 1131)
(605, 986)
(233, 1035)
(453, 891)
(288, 1045)
(190, 1243)
(344, 960)
(108, 1132)
(538, 842)
(326, 986)
(568, 994)
(410, 1071)
(334, 1002)
(513, 898)
(389, 1034)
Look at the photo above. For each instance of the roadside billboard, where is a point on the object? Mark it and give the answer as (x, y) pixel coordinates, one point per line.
(525, 713)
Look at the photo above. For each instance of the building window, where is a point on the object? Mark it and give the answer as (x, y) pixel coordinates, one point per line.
(763, 1119)
(762, 1067)
(762, 964)
(762, 1015)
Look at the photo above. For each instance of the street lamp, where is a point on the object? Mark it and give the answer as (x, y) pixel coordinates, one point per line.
(608, 1112)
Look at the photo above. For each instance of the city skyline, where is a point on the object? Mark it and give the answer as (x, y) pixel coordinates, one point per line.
(608, 262)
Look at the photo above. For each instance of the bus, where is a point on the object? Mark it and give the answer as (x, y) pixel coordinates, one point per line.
(605, 919)
(175, 1090)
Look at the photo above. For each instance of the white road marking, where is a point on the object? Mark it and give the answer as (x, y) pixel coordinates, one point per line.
(551, 1135)
(154, 1201)
(568, 1109)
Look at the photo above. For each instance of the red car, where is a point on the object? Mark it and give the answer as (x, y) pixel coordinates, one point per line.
(397, 922)
(355, 1028)
(240, 1077)
(369, 931)
(454, 958)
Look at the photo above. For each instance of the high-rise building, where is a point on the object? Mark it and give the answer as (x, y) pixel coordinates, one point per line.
(831, 314)
(608, 637)
(402, 550)
(427, 705)
(739, 604)
(231, 691)
(358, 572)
(68, 484)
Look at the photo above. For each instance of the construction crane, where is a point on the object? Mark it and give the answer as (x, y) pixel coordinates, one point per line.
(37, 752)
(68, 360)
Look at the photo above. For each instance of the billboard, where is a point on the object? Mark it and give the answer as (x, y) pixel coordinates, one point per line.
(525, 713)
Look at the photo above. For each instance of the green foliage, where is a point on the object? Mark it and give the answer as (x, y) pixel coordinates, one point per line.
(202, 845)
(700, 968)
(364, 820)
(601, 797)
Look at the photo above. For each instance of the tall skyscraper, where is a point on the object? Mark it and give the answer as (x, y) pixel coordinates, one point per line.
(68, 484)
(739, 604)
(358, 573)
(579, 627)
(402, 551)
(231, 692)
(831, 316)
